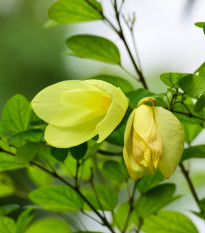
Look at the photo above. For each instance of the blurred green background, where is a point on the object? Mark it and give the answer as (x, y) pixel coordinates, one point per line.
(29, 54)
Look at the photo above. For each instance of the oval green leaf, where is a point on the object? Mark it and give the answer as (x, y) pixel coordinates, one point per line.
(193, 85)
(7, 225)
(16, 114)
(169, 222)
(75, 11)
(94, 47)
(57, 198)
(154, 200)
(51, 225)
(8, 162)
(171, 79)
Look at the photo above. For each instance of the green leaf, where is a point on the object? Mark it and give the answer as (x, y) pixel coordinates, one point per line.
(34, 173)
(57, 198)
(117, 137)
(27, 152)
(6, 147)
(154, 200)
(200, 104)
(122, 83)
(113, 170)
(169, 222)
(16, 114)
(59, 153)
(193, 85)
(75, 11)
(140, 93)
(23, 220)
(193, 152)
(20, 139)
(106, 197)
(149, 181)
(171, 79)
(202, 204)
(201, 70)
(121, 216)
(8, 162)
(191, 131)
(199, 214)
(78, 152)
(201, 25)
(51, 225)
(7, 225)
(7, 209)
(94, 47)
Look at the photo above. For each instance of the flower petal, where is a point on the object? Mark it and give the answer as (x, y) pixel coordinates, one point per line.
(147, 139)
(104, 86)
(114, 115)
(135, 170)
(172, 136)
(46, 104)
(65, 137)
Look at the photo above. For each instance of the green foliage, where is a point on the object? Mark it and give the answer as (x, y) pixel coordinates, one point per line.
(149, 202)
(78, 152)
(59, 153)
(7, 209)
(169, 222)
(27, 152)
(16, 114)
(122, 83)
(8, 162)
(194, 152)
(20, 139)
(7, 225)
(24, 219)
(149, 181)
(114, 170)
(51, 225)
(200, 104)
(94, 47)
(140, 93)
(102, 198)
(57, 198)
(172, 79)
(63, 11)
(193, 85)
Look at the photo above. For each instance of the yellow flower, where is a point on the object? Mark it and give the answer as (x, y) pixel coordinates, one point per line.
(154, 138)
(79, 110)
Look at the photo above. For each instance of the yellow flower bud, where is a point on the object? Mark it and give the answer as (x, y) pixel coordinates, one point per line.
(79, 110)
(154, 138)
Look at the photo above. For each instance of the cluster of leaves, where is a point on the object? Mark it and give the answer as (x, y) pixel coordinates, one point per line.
(92, 177)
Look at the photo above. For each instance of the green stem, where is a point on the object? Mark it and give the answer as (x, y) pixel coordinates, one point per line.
(131, 203)
(55, 175)
(191, 186)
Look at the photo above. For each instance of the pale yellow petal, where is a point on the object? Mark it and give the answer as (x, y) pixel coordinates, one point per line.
(147, 137)
(65, 137)
(172, 136)
(135, 170)
(46, 104)
(81, 106)
(114, 115)
(104, 86)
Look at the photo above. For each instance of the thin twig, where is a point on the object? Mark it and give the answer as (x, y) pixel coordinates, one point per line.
(131, 203)
(191, 186)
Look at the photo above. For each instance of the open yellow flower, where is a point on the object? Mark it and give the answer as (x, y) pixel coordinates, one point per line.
(154, 138)
(79, 110)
